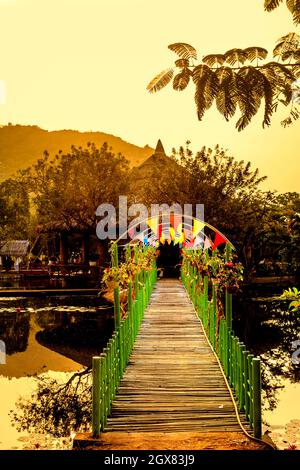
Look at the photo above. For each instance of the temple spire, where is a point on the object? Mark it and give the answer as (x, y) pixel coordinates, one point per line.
(159, 148)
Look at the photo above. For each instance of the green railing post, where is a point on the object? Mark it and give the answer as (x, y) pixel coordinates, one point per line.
(256, 379)
(130, 311)
(246, 384)
(228, 296)
(242, 348)
(104, 386)
(205, 288)
(250, 381)
(96, 396)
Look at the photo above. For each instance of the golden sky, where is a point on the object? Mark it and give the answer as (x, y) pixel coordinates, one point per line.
(85, 64)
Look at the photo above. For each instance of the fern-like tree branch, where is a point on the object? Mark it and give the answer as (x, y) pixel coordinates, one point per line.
(233, 82)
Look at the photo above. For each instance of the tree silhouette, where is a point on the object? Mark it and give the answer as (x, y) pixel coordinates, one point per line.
(239, 79)
(292, 5)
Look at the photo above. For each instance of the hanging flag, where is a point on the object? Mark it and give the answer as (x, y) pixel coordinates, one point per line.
(153, 224)
(179, 236)
(189, 244)
(139, 236)
(219, 239)
(198, 241)
(172, 233)
(159, 231)
(198, 226)
(131, 233)
(175, 220)
(188, 233)
(207, 244)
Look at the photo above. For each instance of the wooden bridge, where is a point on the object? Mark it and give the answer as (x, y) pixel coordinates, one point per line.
(173, 364)
(173, 381)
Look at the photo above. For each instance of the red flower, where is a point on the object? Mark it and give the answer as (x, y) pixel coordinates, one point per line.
(229, 264)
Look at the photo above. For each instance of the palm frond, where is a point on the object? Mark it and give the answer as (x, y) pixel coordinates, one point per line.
(294, 7)
(234, 56)
(269, 92)
(280, 79)
(255, 53)
(291, 55)
(181, 80)
(272, 4)
(226, 100)
(182, 63)
(279, 72)
(160, 81)
(289, 42)
(207, 87)
(293, 116)
(213, 59)
(296, 14)
(183, 50)
(250, 95)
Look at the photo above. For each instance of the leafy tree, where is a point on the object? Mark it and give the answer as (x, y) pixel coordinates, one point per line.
(238, 79)
(56, 408)
(69, 188)
(14, 209)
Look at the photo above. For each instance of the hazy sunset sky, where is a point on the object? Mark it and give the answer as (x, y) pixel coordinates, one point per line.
(85, 64)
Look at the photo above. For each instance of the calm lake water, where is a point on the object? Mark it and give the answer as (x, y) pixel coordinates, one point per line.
(54, 336)
(59, 335)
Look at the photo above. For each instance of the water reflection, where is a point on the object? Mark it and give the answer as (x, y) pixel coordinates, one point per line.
(45, 337)
(14, 331)
(41, 333)
(269, 328)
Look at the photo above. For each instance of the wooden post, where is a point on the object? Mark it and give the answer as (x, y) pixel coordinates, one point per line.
(246, 382)
(130, 312)
(105, 387)
(96, 391)
(214, 316)
(250, 375)
(256, 379)
(242, 377)
(205, 280)
(85, 248)
(63, 248)
(228, 296)
(117, 307)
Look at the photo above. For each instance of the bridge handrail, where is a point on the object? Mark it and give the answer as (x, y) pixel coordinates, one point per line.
(241, 368)
(109, 367)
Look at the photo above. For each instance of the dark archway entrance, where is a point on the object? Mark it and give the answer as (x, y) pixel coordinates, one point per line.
(169, 259)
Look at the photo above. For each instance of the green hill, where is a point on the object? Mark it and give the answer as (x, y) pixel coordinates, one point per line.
(21, 146)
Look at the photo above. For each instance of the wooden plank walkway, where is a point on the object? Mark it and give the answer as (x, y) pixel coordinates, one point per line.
(173, 381)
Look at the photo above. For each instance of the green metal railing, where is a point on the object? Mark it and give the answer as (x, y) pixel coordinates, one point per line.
(241, 368)
(109, 367)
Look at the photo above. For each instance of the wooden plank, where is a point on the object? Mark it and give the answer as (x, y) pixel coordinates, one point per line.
(173, 381)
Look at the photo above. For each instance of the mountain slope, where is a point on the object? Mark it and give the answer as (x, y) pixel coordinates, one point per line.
(21, 146)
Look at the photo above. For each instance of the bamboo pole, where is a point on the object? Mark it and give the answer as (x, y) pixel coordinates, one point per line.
(256, 379)
(228, 296)
(96, 415)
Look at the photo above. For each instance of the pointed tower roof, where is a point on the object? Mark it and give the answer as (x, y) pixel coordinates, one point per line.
(160, 148)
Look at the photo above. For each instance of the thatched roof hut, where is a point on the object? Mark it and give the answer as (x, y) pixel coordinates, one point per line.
(17, 248)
